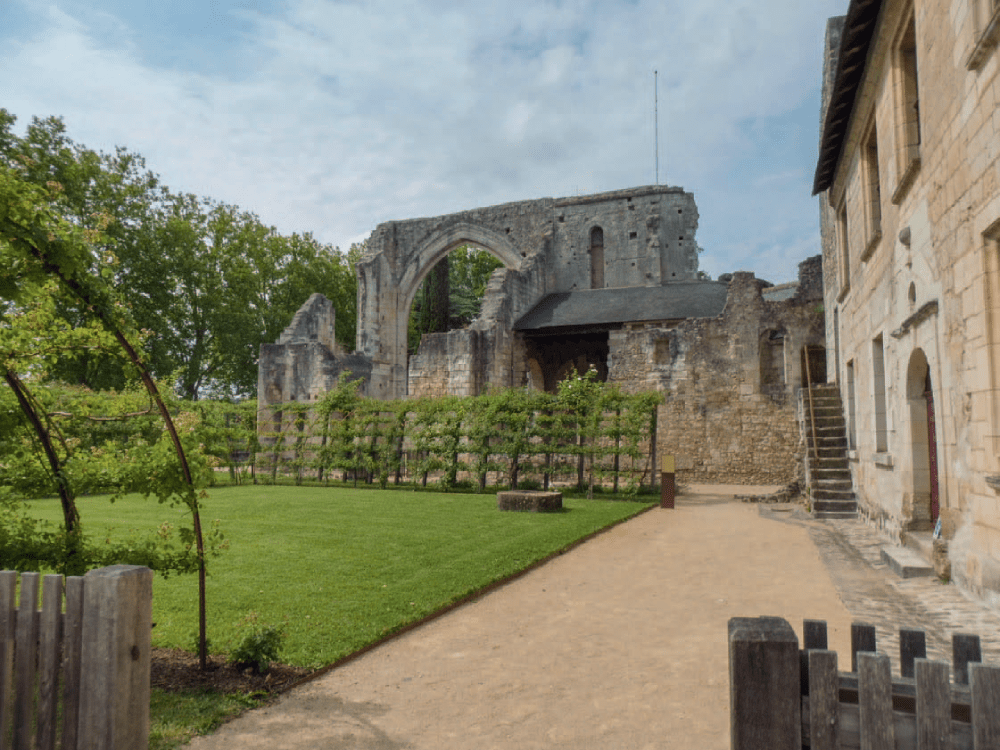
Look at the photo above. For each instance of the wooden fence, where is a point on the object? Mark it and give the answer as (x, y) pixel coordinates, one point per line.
(76, 677)
(782, 698)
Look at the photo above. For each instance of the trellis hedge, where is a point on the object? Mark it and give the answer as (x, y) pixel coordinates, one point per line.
(589, 434)
(589, 431)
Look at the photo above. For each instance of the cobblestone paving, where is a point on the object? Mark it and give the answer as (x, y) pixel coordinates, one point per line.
(874, 594)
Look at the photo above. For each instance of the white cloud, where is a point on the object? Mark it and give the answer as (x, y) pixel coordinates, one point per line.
(346, 114)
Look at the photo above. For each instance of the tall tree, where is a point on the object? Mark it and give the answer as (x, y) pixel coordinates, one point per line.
(208, 282)
(38, 246)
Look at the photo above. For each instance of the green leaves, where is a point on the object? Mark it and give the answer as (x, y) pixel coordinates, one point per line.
(208, 282)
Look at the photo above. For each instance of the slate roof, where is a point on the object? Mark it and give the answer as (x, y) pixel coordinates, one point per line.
(607, 307)
(859, 28)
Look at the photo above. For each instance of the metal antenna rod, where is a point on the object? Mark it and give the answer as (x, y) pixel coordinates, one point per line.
(656, 123)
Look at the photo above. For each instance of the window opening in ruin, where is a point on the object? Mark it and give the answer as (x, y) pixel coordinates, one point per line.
(878, 373)
(596, 258)
(852, 431)
(772, 364)
(451, 294)
(873, 192)
(907, 106)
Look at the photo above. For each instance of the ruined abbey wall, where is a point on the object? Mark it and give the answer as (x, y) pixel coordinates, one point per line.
(730, 412)
(729, 377)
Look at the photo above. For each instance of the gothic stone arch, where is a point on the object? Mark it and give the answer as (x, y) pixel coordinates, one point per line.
(545, 244)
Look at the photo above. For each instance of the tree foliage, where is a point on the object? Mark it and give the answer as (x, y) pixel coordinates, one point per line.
(209, 282)
(451, 295)
(39, 247)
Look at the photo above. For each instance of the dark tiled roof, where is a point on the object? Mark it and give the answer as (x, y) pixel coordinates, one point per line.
(859, 28)
(601, 307)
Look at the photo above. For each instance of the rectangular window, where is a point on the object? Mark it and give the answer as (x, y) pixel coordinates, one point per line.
(878, 373)
(986, 17)
(873, 192)
(907, 107)
(845, 253)
(852, 433)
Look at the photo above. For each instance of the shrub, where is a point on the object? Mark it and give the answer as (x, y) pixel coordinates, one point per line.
(259, 645)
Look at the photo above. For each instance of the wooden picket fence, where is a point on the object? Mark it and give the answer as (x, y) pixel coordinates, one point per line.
(76, 676)
(784, 699)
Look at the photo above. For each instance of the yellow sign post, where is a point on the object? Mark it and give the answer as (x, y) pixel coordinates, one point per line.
(666, 480)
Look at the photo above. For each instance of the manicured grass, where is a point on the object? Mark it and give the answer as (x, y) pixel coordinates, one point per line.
(177, 717)
(341, 568)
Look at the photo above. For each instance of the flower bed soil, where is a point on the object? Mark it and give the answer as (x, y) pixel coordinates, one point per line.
(175, 671)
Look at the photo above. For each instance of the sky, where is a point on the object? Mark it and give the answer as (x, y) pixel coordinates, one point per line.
(333, 116)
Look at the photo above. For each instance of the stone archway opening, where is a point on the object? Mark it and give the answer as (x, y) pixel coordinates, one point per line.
(923, 443)
(451, 293)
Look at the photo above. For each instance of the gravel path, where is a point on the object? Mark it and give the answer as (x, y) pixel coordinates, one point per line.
(620, 643)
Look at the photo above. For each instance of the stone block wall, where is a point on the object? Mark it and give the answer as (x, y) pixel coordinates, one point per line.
(719, 419)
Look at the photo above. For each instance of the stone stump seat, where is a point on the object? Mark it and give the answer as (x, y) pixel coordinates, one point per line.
(530, 500)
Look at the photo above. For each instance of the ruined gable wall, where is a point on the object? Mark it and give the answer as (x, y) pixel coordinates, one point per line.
(719, 420)
(648, 235)
(647, 238)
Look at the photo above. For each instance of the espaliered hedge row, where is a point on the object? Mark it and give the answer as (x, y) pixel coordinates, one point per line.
(588, 430)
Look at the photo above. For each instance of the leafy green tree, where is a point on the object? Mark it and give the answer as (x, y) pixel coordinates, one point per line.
(37, 245)
(461, 278)
(209, 282)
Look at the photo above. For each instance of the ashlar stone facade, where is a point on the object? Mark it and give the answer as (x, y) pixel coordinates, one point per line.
(909, 184)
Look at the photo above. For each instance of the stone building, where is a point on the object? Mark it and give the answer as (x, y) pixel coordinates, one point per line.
(908, 175)
(608, 281)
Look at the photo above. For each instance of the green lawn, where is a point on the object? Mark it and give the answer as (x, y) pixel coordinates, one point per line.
(341, 568)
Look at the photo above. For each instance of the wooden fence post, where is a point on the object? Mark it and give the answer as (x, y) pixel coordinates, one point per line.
(8, 583)
(114, 694)
(985, 684)
(933, 704)
(875, 701)
(765, 706)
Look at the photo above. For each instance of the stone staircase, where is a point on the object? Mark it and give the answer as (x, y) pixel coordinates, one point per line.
(830, 485)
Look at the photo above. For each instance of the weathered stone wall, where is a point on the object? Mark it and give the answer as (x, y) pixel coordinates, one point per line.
(721, 419)
(448, 364)
(730, 413)
(913, 288)
(547, 245)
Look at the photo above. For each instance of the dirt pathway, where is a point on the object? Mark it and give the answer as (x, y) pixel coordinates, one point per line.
(621, 643)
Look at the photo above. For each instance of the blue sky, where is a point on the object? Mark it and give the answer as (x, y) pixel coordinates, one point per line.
(331, 116)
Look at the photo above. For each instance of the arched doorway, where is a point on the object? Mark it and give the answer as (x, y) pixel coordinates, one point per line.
(923, 442)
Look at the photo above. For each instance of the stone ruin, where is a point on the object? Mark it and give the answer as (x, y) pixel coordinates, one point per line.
(608, 281)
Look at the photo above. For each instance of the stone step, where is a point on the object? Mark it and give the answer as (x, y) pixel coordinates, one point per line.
(825, 397)
(826, 430)
(921, 542)
(829, 443)
(906, 563)
(826, 405)
(830, 451)
(826, 476)
(835, 509)
(829, 463)
(821, 494)
(836, 515)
